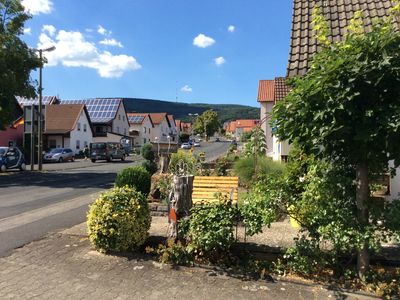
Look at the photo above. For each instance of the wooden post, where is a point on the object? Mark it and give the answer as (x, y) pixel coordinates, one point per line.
(164, 163)
(180, 203)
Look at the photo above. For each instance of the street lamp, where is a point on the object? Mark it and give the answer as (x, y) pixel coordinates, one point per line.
(158, 146)
(169, 143)
(40, 120)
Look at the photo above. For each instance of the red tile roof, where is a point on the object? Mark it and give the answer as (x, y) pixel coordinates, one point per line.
(62, 119)
(158, 117)
(266, 91)
(272, 90)
(244, 123)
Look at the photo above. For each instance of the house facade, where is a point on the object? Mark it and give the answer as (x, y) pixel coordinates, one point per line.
(67, 126)
(238, 127)
(304, 45)
(141, 127)
(173, 130)
(162, 127)
(108, 117)
(269, 92)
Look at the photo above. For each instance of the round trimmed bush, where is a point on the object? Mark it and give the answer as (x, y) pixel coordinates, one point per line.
(147, 152)
(136, 177)
(119, 220)
(150, 166)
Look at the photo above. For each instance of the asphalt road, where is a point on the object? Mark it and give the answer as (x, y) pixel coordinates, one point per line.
(213, 149)
(34, 204)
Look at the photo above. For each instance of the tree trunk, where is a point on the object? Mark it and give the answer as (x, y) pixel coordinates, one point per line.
(180, 203)
(362, 196)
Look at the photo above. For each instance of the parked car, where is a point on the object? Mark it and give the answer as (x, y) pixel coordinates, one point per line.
(196, 144)
(107, 151)
(59, 155)
(11, 158)
(186, 146)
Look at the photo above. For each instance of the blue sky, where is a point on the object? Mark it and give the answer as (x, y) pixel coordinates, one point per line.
(209, 51)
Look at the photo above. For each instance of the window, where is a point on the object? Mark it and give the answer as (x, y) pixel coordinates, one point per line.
(84, 127)
(144, 141)
(79, 126)
(124, 131)
(78, 144)
(117, 129)
(123, 118)
(119, 117)
(85, 143)
(145, 130)
(149, 130)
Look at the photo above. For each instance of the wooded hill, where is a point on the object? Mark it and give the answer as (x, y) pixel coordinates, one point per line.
(226, 112)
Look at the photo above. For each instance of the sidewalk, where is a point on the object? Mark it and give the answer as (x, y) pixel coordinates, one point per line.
(64, 266)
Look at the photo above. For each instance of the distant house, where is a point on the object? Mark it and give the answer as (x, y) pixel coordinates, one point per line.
(141, 127)
(162, 127)
(183, 127)
(269, 92)
(174, 130)
(238, 127)
(67, 126)
(108, 117)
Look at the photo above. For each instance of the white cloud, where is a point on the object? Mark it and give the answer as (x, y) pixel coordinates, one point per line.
(219, 61)
(203, 41)
(231, 28)
(186, 89)
(103, 31)
(50, 29)
(36, 7)
(28, 31)
(111, 42)
(73, 50)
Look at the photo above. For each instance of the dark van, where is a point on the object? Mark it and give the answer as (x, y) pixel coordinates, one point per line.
(106, 151)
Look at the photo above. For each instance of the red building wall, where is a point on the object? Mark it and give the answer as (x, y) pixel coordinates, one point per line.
(12, 134)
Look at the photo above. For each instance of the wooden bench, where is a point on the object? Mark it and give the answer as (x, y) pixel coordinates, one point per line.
(206, 188)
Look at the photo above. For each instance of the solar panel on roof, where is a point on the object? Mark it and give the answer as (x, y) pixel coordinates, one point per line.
(100, 110)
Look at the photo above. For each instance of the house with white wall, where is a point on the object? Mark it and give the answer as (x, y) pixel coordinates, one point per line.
(269, 92)
(162, 127)
(67, 126)
(108, 117)
(174, 129)
(303, 46)
(141, 127)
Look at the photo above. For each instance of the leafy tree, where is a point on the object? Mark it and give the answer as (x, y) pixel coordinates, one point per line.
(16, 59)
(257, 145)
(207, 123)
(346, 109)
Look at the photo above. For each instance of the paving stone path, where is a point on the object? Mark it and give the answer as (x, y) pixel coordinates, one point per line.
(64, 266)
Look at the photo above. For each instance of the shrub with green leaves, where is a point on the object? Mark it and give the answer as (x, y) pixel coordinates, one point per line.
(247, 168)
(147, 152)
(150, 166)
(119, 220)
(182, 162)
(210, 227)
(136, 177)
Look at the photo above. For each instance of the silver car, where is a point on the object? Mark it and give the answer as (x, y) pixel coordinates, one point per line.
(59, 155)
